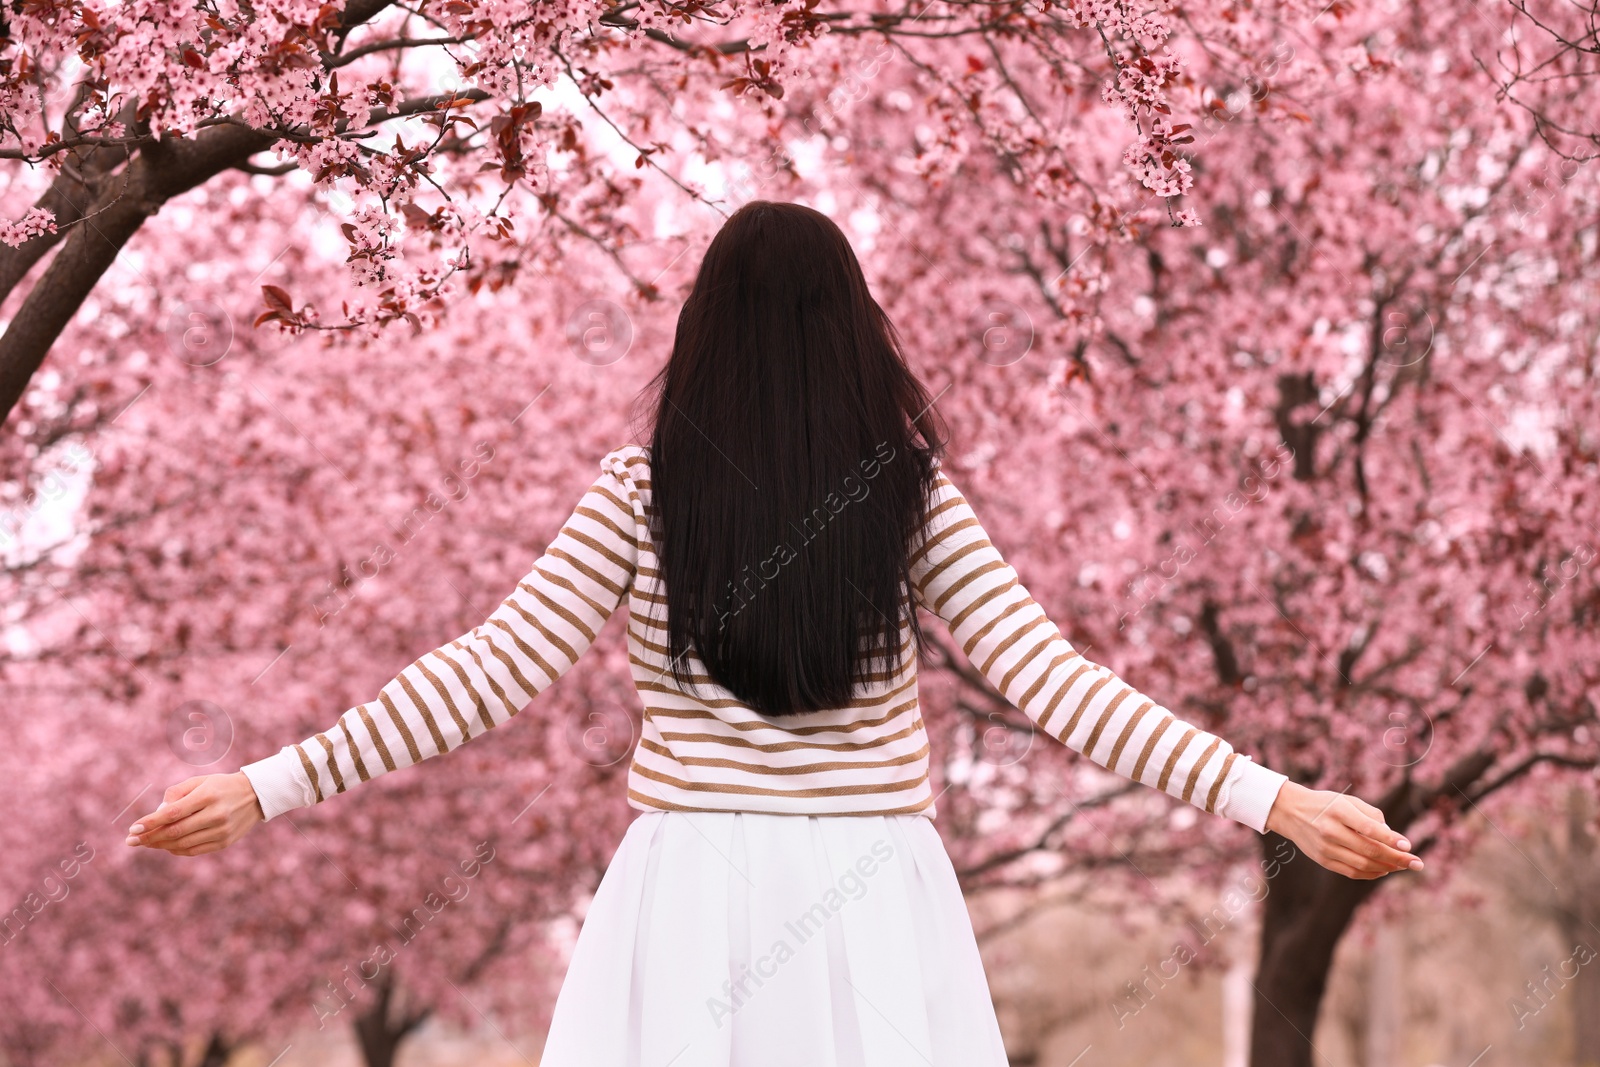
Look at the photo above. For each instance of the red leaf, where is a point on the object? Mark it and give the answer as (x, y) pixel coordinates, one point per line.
(278, 299)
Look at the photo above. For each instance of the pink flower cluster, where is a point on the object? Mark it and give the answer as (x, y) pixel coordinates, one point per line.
(1139, 90)
(1155, 161)
(32, 224)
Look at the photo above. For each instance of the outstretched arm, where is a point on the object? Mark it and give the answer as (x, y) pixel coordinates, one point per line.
(959, 575)
(443, 699)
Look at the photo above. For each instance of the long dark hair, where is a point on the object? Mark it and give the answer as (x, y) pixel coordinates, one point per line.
(791, 462)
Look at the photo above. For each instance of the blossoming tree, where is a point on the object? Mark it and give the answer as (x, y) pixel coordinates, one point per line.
(1318, 472)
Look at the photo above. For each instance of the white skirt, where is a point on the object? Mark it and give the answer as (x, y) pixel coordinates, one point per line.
(737, 939)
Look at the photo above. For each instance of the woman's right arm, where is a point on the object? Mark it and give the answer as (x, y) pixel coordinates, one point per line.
(444, 698)
(959, 575)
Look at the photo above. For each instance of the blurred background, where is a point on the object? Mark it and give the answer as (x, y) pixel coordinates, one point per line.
(1267, 338)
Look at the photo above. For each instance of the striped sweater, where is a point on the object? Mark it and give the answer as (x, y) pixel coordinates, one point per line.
(709, 752)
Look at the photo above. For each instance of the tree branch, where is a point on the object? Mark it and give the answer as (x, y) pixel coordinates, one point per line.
(73, 188)
(160, 172)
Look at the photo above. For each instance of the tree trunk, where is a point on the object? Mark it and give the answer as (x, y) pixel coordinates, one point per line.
(385, 1023)
(1579, 921)
(1385, 999)
(1306, 911)
(1308, 908)
(1586, 1011)
(216, 1053)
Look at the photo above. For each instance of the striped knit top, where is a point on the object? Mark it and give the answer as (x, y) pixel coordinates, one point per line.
(710, 752)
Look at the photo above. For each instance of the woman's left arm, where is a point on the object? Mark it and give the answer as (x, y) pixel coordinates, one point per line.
(443, 699)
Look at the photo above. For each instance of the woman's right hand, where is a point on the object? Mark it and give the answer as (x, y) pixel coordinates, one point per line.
(200, 815)
(1343, 833)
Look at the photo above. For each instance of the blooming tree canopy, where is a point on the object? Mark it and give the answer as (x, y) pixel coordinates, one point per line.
(1318, 473)
(457, 140)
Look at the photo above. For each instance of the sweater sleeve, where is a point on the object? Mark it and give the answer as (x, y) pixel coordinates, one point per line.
(959, 575)
(485, 676)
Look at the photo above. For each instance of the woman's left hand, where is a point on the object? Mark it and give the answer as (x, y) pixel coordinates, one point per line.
(200, 815)
(1341, 832)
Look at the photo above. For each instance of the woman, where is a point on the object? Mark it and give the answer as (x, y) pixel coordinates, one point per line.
(783, 896)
